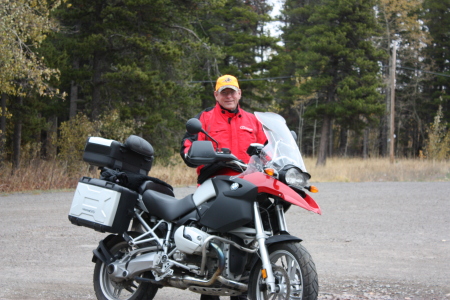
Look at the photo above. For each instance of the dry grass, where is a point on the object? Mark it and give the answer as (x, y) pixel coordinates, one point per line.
(338, 169)
(43, 175)
(38, 175)
(378, 169)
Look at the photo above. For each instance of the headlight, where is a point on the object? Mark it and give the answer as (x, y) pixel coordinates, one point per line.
(292, 175)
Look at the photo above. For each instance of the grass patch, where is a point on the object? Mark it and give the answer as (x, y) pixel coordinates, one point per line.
(378, 169)
(39, 175)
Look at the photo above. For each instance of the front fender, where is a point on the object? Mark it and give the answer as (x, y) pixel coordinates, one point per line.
(270, 185)
(282, 238)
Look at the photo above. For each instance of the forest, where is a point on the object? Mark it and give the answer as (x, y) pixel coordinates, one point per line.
(353, 78)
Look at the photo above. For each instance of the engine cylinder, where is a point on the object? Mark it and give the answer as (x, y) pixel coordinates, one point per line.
(190, 239)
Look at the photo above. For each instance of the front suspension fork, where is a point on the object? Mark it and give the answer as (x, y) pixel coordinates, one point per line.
(261, 237)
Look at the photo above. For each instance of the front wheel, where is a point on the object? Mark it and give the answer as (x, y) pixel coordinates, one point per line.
(294, 271)
(107, 289)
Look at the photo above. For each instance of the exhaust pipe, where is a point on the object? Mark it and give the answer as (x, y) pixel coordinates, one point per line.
(119, 272)
(185, 281)
(233, 284)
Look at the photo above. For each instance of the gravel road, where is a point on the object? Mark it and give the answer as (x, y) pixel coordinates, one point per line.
(373, 241)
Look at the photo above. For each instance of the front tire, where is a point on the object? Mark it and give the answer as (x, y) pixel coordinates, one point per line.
(294, 271)
(106, 289)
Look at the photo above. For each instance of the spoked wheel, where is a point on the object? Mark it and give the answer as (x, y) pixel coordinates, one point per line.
(107, 289)
(294, 271)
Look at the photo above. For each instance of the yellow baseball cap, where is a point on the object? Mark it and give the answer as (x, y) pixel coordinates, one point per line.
(227, 82)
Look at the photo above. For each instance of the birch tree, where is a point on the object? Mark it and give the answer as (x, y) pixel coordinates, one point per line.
(23, 27)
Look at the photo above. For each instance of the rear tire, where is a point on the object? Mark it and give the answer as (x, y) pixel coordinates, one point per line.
(294, 271)
(106, 289)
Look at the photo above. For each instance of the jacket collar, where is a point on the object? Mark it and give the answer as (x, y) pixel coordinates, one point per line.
(227, 113)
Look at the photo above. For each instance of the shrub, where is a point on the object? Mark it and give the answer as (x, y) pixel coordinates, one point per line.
(438, 144)
(74, 133)
(110, 126)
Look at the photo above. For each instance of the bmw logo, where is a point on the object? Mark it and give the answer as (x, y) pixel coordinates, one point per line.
(234, 186)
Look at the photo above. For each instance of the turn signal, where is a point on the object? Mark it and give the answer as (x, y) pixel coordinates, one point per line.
(313, 189)
(264, 273)
(269, 171)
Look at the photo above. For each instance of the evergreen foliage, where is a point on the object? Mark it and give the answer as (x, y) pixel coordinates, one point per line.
(438, 143)
(147, 66)
(329, 43)
(239, 29)
(137, 57)
(437, 22)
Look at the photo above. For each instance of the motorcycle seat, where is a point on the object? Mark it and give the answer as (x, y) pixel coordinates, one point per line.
(155, 186)
(166, 207)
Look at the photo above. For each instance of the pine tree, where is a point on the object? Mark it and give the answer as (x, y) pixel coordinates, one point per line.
(136, 56)
(239, 30)
(330, 49)
(437, 52)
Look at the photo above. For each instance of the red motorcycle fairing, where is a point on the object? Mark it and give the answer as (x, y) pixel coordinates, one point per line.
(270, 185)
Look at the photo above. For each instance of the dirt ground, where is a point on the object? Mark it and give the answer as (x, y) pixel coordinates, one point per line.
(373, 241)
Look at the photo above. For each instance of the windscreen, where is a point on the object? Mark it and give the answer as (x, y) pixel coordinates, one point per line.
(281, 148)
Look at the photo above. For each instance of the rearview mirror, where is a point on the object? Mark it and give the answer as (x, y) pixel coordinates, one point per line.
(193, 126)
(294, 135)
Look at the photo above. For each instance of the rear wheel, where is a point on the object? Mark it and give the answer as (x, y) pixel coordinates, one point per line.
(107, 289)
(294, 271)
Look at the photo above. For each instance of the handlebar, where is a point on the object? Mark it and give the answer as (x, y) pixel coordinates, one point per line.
(239, 163)
(203, 153)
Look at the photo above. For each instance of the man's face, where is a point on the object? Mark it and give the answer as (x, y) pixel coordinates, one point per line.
(228, 98)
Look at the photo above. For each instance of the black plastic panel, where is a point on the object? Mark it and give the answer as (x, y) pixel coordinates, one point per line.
(231, 208)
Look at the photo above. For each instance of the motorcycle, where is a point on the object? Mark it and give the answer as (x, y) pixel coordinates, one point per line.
(228, 238)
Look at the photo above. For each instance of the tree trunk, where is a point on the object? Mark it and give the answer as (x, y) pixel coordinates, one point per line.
(50, 149)
(314, 135)
(314, 139)
(343, 141)
(74, 91)
(330, 139)
(325, 135)
(392, 106)
(365, 143)
(2, 127)
(323, 146)
(384, 134)
(397, 146)
(300, 112)
(208, 101)
(17, 137)
(96, 82)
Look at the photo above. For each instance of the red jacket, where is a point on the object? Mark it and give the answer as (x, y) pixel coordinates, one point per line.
(235, 131)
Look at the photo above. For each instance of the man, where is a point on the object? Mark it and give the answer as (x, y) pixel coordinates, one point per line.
(231, 126)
